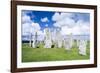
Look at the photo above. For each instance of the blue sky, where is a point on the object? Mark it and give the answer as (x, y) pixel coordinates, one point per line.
(69, 22)
(36, 17)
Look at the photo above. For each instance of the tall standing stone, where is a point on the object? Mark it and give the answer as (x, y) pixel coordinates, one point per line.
(47, 40)
(71, 40)
(67, 44)
(77, 42)
(82, 47)
(33, 43)
(58, 38)
(30, 40)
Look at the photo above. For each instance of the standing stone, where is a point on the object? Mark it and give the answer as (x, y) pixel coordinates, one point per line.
(77, 42)
(54, 38)
(59, 39)
(67, 44)
(82, 47)
(47, 40)
(36, 41)
(30, 40)
(71, 40)
(33, 43)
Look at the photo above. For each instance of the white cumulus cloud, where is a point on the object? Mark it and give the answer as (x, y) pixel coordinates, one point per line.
(25, 28)
(63, 19)
(68, 25)
(28, 26)
(35, 27)
(65, 30)
(44, 19)
(56, 16)
(81, 28)
(26, 18)
(60, 16)
(65, 22)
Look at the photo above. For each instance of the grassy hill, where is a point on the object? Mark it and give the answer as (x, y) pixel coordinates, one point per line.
(30, 54)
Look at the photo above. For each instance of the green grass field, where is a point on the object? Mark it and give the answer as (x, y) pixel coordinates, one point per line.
(30, 54)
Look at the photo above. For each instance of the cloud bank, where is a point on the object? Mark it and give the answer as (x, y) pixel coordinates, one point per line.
(29, 26)
(68, 25)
